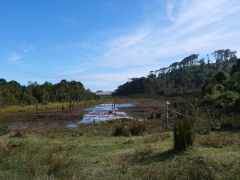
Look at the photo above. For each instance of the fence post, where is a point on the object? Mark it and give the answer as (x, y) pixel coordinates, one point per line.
(167, 116)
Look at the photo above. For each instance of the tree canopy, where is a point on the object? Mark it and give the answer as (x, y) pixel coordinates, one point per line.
(13, 93)
(185, 77)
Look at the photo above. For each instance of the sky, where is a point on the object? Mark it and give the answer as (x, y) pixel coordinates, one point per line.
(103, 43)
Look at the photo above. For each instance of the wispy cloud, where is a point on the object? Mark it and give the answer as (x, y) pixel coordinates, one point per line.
(190, 26)
(102, 80)
(28, 48)
(194, 26)
(13, 57)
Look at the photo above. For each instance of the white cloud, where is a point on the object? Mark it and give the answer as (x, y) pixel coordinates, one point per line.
(192, 26)
(238, 54)
(14, 57)
(195, 26)
(28, 48)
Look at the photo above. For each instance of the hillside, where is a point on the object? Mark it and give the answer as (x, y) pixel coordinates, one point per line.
(182, 78)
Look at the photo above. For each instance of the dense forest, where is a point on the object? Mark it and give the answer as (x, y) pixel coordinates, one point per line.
(222, 90)
(183, 78)
(13, 93)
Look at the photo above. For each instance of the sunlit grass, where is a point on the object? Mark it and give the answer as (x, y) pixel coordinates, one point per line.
(87, 153)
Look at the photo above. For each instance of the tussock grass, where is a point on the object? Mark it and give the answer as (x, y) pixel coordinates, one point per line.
(19, 133)
(133, 128)
(219, 140)
(87, 153)
(183, 134)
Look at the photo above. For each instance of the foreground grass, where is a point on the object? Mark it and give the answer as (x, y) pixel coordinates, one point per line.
(91, 152)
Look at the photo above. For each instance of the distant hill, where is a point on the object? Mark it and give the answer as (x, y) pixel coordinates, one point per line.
(182, 78)
(104, 93)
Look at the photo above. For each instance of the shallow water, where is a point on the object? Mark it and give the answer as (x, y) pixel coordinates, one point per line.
(103, 112)
(98, 113)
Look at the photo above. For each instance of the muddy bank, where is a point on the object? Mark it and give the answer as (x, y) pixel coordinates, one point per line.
(41, 119)
(142, 110)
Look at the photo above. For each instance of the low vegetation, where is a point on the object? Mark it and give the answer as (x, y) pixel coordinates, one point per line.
(90, 152)
(134, 128)
(183, 134)
(202, 142)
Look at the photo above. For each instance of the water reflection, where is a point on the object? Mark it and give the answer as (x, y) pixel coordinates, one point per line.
(103, 112)
(99, 113)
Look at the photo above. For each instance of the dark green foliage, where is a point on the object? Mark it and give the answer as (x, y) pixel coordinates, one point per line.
(220, 77)
(236, 67)
(182, 78)
(222, 90)
(12, 93)
(3, 130)
(183, 134)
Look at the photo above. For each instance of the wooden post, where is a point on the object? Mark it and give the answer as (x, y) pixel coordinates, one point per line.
(114, 104)
(167, 115)
(36, 106)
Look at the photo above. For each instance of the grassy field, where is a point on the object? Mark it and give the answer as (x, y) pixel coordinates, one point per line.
(58, 105)
(92, 152)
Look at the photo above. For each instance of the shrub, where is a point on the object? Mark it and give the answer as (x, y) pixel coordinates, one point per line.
(3, 130)
(137, 129)
(226, 99)
(18, 134)
(121, 130)
(183, 134)
(134, 129)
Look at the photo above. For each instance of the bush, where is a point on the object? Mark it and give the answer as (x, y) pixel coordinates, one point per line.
(121, 130)
(226, 99)
(3, 130)
(18, 134)
(183, 134)
(137, 129)
(134, 129)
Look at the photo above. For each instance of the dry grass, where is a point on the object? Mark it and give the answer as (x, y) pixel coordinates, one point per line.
(133, 128)
(218, 140)
(88, 153)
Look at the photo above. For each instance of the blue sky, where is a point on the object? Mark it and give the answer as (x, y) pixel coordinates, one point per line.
(102, 43)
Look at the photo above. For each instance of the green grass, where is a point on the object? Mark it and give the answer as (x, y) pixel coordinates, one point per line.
(58, 105)
(91, 152)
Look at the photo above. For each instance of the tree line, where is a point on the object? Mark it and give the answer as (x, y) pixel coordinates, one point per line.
(182, 78)
(13, 93)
